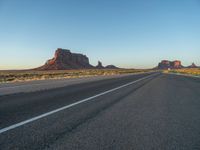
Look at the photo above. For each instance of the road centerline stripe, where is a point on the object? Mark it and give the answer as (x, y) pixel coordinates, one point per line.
(69, 106)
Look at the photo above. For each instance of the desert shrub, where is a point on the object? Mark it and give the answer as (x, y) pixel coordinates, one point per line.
(17, 76)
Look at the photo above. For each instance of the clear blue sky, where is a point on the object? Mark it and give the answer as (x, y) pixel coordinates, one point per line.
(125, 33)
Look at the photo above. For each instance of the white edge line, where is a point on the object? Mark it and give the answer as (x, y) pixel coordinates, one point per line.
(68, 106)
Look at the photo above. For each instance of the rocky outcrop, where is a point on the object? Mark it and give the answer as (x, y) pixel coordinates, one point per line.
(166, 64)
(63, 59)
(99, 65)
(111, 67)
(192, 66)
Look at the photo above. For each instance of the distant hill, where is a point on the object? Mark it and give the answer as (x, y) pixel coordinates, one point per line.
(100, 66)
(192, 66)
(63, 60)
(111, 67)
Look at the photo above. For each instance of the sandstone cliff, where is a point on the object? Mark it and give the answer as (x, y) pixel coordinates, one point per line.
(63, 59)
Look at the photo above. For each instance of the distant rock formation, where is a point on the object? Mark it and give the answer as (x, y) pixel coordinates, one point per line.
(166, 64)
(192, 66)
(64, 59)
(99, 65)
(111, 67)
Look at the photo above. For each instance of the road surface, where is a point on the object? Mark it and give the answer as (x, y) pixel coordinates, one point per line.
(39, 85)
(137, 112)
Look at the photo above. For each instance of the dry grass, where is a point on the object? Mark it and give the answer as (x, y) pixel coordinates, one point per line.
(18, 76)
(187, 71)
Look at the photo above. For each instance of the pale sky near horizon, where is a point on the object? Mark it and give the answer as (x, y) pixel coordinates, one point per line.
(126, 33)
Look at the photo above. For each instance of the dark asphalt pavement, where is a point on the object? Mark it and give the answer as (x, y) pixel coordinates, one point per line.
(160, 112)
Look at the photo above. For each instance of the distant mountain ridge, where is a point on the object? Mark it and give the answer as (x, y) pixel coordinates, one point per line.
(63, 60)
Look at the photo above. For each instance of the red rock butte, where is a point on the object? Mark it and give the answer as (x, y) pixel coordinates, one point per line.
(166, 64)
(63, 60)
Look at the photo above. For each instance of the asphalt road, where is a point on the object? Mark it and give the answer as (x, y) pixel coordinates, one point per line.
(138, 112)
(39, 85)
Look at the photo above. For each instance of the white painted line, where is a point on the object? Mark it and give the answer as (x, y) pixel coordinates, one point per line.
(68, 106)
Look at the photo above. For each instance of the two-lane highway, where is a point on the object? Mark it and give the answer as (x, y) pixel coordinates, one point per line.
(144, 111)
